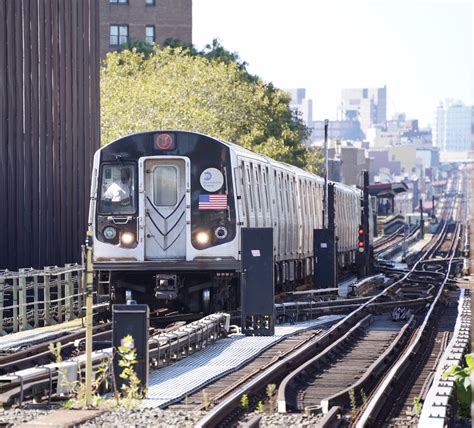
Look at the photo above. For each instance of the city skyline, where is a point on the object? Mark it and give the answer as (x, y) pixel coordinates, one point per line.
(421, 50)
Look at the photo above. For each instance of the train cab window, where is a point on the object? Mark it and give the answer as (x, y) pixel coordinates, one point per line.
(165, 186)
(117, 189)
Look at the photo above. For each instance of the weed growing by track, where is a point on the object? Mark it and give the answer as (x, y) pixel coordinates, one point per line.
(130, 393)
(463, 383)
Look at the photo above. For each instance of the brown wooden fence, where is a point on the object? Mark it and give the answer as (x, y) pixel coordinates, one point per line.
(49, 127)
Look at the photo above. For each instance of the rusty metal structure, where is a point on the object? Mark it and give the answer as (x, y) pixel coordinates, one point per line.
(49, 127)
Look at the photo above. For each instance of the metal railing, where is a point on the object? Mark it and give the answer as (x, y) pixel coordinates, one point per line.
(32, 298)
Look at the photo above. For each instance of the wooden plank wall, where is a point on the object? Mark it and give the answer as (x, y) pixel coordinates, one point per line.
(49, 128)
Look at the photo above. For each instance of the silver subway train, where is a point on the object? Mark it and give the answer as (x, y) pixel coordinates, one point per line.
(167, 207)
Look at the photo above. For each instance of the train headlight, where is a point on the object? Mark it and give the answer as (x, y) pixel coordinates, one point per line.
(202, 238)
(221, 232)
(110, 233)
(127, 238)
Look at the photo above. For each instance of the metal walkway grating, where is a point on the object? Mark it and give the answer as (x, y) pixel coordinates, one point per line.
(170, 384)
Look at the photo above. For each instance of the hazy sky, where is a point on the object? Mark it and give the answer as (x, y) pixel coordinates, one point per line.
(421, 49)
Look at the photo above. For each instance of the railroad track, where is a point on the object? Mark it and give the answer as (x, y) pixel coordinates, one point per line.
(419, 280)
(24, 379)
(390, 242)
(219, 390)
(328, 379)
(404, 412)
(415, 364)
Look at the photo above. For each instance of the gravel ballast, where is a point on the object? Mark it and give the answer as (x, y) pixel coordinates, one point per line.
(145, 418)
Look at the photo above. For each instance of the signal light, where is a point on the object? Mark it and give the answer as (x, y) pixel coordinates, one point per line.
(361, 243)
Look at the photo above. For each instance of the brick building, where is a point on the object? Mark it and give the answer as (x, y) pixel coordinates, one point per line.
(147, 20)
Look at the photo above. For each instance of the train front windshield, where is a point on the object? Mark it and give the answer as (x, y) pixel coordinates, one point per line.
(117, 189)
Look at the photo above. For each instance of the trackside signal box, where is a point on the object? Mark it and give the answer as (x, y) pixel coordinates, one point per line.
(324, 243)
(133, 320)
(257, 282)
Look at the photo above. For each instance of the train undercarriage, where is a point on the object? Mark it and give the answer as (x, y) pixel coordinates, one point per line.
(203, 291)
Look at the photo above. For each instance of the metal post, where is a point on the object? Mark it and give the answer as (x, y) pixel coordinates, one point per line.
(47, 295)
(422, 221)
(22, 300)
(81, 280)
(366, 223)
(15, 304)
(89, 298)
(59, 296)
(69, 293)
(2, 297)
(36, 299)
(325, 216)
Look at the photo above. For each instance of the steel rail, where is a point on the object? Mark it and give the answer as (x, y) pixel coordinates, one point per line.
(378, 399)
(164, 348)
(277, 372)
(441, 392)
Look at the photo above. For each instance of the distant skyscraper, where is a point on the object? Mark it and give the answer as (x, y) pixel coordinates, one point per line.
(367, 105)
(452, 126)
(300, 102)
(297, 95)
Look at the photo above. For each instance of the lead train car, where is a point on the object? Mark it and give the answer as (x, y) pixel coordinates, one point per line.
(166, 210)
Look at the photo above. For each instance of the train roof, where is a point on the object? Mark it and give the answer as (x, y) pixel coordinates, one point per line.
(242, 151)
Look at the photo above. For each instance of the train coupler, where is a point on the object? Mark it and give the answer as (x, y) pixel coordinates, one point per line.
(166, 287)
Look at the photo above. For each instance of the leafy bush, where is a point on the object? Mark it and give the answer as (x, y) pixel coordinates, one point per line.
(463, 383)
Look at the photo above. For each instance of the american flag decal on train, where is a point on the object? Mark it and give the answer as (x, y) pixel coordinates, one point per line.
(212, 202)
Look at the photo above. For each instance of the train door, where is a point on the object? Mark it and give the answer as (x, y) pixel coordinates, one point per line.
(304, 217)
(282, 216)
(276, 212)
(166, 181)
(286, 209)
(291, 215)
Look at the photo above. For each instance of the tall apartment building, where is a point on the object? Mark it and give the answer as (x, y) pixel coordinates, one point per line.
(452, 126)
(366, 105)
(147, 20)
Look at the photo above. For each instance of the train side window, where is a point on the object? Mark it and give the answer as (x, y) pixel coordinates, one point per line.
(310, 202)
(265, 185)
(290, 194)
(287, 199)
(249, 187)
(165, 186)
(257, 186)
(315, 203)
(281, 206)
(293, 193)
(305, 201)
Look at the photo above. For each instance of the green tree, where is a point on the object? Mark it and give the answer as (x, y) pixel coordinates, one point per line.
(209, 92)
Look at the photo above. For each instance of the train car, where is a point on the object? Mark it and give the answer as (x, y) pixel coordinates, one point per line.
(166, 211)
